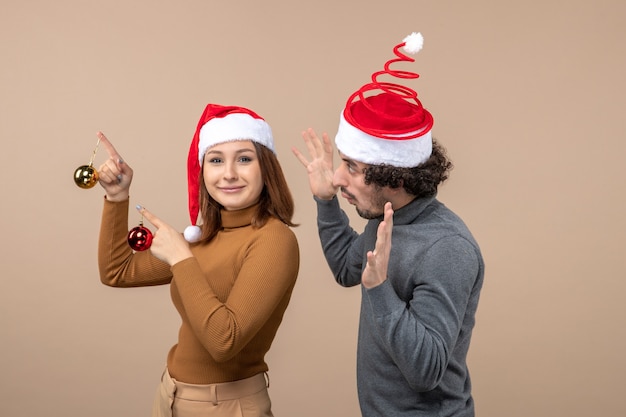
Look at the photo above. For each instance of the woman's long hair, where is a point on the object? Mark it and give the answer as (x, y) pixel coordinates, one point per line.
(275, 200)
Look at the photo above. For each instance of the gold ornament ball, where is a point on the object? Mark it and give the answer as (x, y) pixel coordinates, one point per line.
(85, 176)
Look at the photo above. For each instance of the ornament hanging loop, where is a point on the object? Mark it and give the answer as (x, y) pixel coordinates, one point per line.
(93, 155)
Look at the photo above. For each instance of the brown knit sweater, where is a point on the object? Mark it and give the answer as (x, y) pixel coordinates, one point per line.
(231, 295)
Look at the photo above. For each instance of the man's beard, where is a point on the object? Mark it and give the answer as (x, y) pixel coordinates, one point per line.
(377, 203)
(367, 214)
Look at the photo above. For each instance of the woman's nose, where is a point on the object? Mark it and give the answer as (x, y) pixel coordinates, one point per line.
(230, 171)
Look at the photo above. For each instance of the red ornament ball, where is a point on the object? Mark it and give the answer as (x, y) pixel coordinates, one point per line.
(140, 238)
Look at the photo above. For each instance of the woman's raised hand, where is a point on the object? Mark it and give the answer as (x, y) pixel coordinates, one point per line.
(167, 244)
(115, 175)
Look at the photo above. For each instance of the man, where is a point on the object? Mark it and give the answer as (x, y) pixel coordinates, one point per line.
(419, 267)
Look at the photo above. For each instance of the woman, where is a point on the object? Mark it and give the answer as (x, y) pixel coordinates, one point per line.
(231, 276)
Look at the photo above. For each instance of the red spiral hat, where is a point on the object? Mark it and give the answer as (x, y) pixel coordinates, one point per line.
(391, 127)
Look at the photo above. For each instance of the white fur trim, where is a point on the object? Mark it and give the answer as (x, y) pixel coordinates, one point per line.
(192, 234)
(362, 147)
(235, 126)
(413, 43)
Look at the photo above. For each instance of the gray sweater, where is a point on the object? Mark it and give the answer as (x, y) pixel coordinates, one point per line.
(415, 328)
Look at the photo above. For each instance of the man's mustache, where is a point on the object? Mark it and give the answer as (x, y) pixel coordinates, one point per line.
(343, 190)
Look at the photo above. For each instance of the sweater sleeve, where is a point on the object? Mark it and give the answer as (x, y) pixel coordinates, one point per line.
(342, 246)
(119, 266)
(260, 293)
(420, 335)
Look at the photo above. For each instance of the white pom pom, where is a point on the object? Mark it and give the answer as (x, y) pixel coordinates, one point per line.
(413, 43)
(192, 234)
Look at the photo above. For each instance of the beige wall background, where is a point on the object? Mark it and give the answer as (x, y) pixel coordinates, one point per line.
(528, 97)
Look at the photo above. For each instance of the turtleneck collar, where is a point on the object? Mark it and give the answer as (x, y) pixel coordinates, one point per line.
(407, 214)
(238, 218)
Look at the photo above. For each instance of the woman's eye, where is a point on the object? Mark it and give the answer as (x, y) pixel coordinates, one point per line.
(214, 160)
(245, 159)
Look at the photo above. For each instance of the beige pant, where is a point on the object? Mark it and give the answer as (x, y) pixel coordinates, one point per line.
(245, 398)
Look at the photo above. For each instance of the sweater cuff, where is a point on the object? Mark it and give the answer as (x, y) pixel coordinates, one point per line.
(384, 298)
(184, 266)
(125, 201)
(327, 206)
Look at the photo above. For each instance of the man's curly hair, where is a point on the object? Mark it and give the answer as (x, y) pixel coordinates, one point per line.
(420, 181)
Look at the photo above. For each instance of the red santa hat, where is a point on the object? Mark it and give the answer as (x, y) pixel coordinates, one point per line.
(391, 127)
(219, 124)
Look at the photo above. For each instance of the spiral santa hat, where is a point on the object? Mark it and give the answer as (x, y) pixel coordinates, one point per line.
(391, 127)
